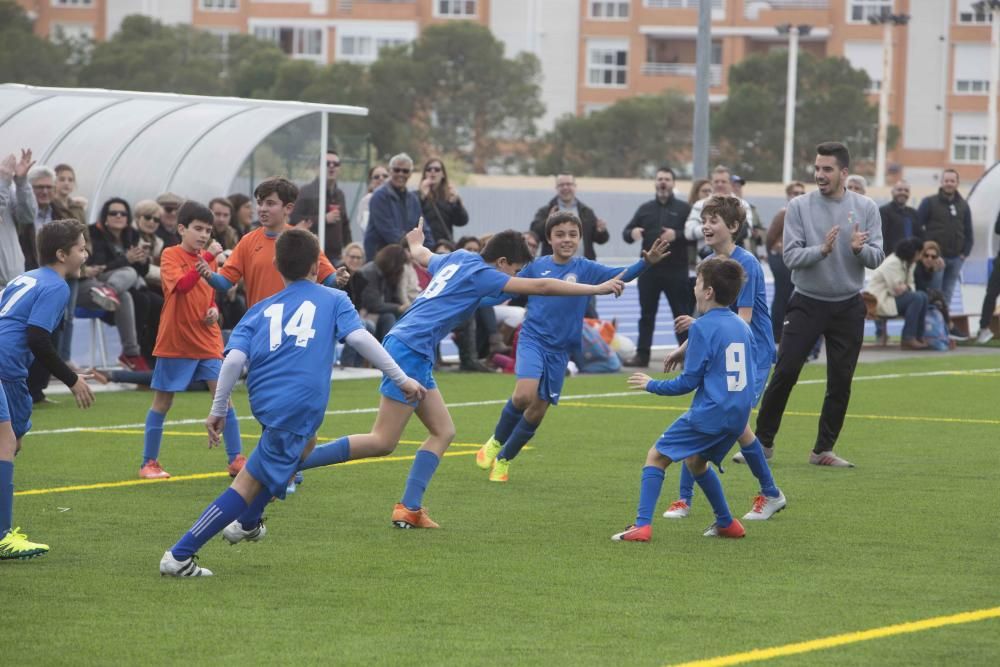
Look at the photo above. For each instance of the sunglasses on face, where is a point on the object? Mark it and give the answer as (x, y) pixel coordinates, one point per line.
(333, 163)
(433, 169)
(401, 170)
(154, 218)
(117, 214)
(169, 209)
(359, 257)
(379, 177)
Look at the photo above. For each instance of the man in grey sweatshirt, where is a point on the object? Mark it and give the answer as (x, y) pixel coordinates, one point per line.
(831, 235)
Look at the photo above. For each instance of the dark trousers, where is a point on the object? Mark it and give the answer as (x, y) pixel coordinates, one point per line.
(679, 295)
(992, 292)
(842, 323)
(782, 291)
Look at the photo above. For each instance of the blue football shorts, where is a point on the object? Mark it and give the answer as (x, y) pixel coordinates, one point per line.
(17, 406)
(276, 458)
(415, 365)
(681, 440)
(174, 374)
(534, 362)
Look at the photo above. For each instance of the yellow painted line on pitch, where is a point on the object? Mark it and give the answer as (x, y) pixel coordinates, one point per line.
(795, 413)
(197, 476)
(759, 655)
(196, 434)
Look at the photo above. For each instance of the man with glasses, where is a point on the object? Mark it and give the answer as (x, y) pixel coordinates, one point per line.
(946, 219)
(394, 210)
(338, 224)
(595, 230)
(169, 202)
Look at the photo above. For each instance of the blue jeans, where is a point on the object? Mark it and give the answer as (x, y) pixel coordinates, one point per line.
(912, 305)
(947, 279)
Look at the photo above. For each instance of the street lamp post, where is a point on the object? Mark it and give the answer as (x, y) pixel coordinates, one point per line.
(993, 8)
(793, 33)
(887, 21)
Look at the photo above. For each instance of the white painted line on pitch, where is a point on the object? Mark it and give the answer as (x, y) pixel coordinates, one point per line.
(502, 401)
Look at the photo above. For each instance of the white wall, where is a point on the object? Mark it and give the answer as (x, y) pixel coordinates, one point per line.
(167, 11)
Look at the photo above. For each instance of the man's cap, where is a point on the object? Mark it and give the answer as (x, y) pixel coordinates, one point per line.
(170, 199)
(736, 178)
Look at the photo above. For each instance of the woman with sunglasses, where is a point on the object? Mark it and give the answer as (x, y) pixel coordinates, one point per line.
(377, 175)
(442, 207)
(147, 221)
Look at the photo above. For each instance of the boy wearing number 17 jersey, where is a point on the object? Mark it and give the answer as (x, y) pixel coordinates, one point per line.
(288, 340)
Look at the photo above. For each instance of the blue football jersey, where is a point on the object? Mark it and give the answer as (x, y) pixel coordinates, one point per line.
(556, 321)
(753, 295)
(37, 299)
(718, 368)
(290, 339)
(460, 280)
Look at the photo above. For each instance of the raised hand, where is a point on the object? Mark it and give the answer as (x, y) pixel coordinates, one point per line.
(24, 165)
(657, 251)
(416, 235)
(858, 239)
(831, 237)
(343, 276)
(638, 381)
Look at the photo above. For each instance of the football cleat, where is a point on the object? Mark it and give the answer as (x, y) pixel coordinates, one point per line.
(15, 546)
(500, 471)
(487, 453)
(733, 530)
(984, 336)
(634, 534)
(234, 533)
(403, 517)
(236, 466)
(829, 459)
(764, 507)
(677, 510)
(171, 567)
(152, 470)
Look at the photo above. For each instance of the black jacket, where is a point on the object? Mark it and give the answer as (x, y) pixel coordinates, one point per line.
(949, 222)
(587, 218)
(894, 219)
(653, 217)
(338, 234)
(443, 216)
(103, 250)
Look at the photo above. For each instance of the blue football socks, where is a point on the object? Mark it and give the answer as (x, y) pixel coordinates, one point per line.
(6, 496)
(649, 493)
(255, 510)
(153, 437)
(712, 487)
(687, 485)
(231, 435)
(328, 454)
(424, 465)
(753, 454)
(226, 508)
(509, 417)
(519, 437)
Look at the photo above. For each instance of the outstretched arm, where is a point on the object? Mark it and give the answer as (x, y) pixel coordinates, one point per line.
(555, 287)
(415, 239)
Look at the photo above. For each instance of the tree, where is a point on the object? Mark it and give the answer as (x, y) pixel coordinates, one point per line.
(626, 140)
(454, 92)
(26, 57)
(832, 105)
(252, 66)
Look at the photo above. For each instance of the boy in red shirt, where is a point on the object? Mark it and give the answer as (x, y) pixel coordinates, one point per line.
(189, 344)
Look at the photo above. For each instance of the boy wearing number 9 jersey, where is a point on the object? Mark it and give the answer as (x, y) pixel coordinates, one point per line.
(288, 340)
(717, 369)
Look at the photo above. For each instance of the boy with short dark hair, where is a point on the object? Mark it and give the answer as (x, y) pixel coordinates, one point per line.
(31, 307)
(722, 217)
(551, 331)
(289, 341)
(189, 345)
(718, 369)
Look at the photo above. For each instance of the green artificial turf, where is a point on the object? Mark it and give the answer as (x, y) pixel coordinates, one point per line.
(523, 572)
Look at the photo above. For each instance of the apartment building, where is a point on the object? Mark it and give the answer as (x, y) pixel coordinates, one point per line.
(595, 52)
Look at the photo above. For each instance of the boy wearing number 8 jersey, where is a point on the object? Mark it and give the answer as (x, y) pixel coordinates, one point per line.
(461, 281)
(288, 340)
(717, 369)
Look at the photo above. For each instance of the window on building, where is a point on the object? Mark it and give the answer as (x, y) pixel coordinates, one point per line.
(968, 14)
(972, 69)
(71, 32)
(968, 137)
(365, 48)
(301, 42)
(607, 63)
(866, 56)
(618, 9)
(455, 8)
(219, 5)
(72, 3)
(858, 11)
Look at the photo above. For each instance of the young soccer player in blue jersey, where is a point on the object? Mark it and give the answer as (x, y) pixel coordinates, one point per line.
(189, 343)
(717, 368)
(31, 307)
(551, 331)
(288, 340)
(461, 280)
(721, 220)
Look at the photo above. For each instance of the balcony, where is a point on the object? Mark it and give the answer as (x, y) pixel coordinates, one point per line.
(687, 70)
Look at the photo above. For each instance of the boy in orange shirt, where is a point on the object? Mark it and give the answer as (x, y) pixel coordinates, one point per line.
(253, 257)
(189, 345)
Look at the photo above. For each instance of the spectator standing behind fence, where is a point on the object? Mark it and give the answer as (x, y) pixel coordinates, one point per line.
(897, 295)
(394, 210)
(18, 209)
(595, 230)
(722, 184)
(899, 221)
(946, 219)
(42, 180)
(831, 235)
(377, 175)
(306, 211)
(65, 186)
(661, 218)
(752, 236)
(439, 200)
(985, 335)
(169, 202)
(147, 221)
(782, 276)
(380, 282)
(242, 220)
